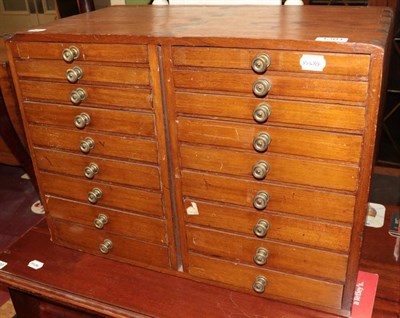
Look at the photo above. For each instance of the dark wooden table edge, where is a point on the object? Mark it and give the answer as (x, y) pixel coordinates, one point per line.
(65, 298)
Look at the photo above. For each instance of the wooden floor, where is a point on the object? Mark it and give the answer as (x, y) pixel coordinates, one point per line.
(17, 195)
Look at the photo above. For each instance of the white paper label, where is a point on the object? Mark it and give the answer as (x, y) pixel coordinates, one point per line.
(2, 264)
(327, 39)
(35, 264)
(312, 62)
(192, 210)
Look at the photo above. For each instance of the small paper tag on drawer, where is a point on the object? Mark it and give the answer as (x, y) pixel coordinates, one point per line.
(312, 62)
(192, 210)
(2, 264)
(328, 39)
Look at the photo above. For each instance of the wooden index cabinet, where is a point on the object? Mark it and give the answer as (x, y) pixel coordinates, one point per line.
(232, 144)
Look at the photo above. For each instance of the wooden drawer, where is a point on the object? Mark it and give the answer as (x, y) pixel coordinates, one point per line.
(282, 257)
(119, 172)
(281, 169)
(97, 96)
(87, 51)
(280, 284)
(133, 225)
(114, 121)
(92, 73)
(285, 228)
(123, 248)
(128, 199)
(294, 86)
(287, 61)
(321, 116)
(295, 200)
(308, 143)
(105, 145)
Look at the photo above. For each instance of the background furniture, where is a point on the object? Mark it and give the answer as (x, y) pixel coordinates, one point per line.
(66, 8)
(13, 145)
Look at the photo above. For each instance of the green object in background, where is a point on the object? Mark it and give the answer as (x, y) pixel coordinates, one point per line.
(137, 2)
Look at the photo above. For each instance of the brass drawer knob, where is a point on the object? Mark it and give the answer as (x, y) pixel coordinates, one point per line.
(106, 246)
(261, 200)
(74, 74)
(260, 170)
(94, 195)
(77, 95)
(261, 63)
(82, 120)
(71, 53)
(261, 113)
(261, 87)
(261, 228)
(91, 170)
(261, 256)
(262, 141)
(86, 145)
(260, 284)
(100, 221)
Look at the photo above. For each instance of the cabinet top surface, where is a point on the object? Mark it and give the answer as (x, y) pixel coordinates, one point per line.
(154, 24)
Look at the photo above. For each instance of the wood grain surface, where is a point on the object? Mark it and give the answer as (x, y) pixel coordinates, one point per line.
(175, 72)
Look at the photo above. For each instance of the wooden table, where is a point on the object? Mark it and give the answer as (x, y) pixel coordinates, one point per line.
(76, 284)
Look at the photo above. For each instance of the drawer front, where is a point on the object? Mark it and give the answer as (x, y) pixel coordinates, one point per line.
(282, 257)
(123, 248)
(88, 167)
(91, 73)
(323, 116)
(118, 222)
(284, 61)
(279, 284)
(114, 121)
(285, 228)
(281, 86)
(87, 51)
(96, 96)
(300, 201)
(281, 169)
(112, 196)
(324, 145)
(104, 145)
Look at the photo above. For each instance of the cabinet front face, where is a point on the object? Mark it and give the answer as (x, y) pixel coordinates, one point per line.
(240, 161)
(94, 121)
(268, 153)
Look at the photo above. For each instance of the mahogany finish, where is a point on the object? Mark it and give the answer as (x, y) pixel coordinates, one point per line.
(170, 97)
